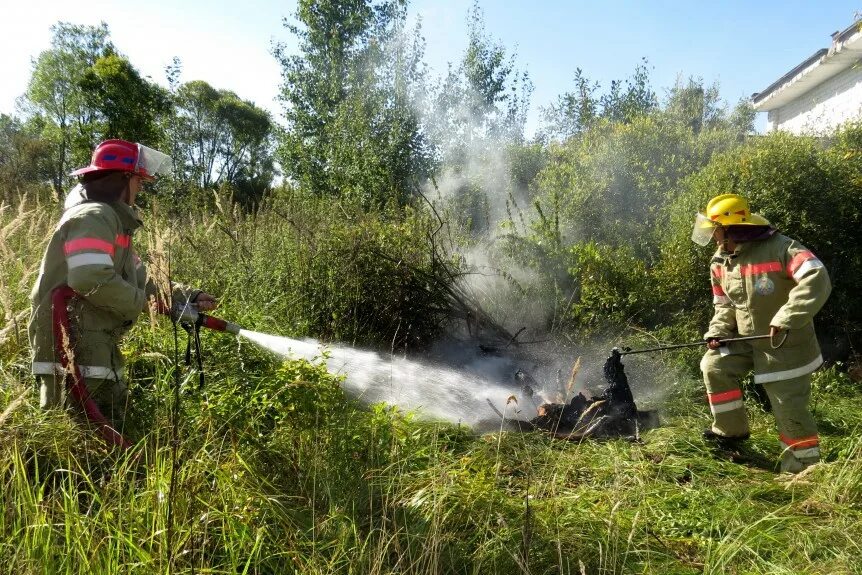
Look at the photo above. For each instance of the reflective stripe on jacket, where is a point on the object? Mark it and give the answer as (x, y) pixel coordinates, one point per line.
(777, 282)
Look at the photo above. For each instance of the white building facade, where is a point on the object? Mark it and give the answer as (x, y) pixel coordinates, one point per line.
(821, 93)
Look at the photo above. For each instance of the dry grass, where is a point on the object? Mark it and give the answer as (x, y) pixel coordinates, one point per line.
(23, 236)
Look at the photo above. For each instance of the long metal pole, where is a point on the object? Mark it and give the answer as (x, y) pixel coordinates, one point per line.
(692, 344)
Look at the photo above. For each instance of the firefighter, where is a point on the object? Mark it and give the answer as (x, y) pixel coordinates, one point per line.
(92, 252)
(762, 283)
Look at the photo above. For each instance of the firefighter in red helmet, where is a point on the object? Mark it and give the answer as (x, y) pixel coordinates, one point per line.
(92, 252)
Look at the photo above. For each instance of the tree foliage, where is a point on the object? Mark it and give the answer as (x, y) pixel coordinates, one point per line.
(220, 139)
(577, 111)
(481, 104)
(606, 192)
(82, 92)
(597, 207)
(476, 119)
(55, 92)
(85, 92)
(573, 112)
(24, 156)
(123, 103)
(352, 129)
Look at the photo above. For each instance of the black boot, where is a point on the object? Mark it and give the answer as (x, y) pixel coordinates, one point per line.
(724, 440)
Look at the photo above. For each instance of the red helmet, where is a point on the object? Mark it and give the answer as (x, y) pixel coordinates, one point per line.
(125, 156)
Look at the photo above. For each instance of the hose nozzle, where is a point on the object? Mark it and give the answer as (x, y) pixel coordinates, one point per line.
(185, 313)
(189, 313)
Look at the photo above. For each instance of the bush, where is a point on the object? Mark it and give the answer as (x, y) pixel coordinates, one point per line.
(612, 287)
(309, 266)
(613, 184)
(597, 235)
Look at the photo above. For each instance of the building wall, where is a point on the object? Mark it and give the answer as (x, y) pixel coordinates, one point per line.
(837, 100)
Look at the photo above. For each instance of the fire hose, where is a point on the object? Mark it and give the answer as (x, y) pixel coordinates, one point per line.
(73, 378)
(187, 314)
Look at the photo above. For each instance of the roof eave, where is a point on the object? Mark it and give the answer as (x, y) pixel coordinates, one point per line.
(846, 50)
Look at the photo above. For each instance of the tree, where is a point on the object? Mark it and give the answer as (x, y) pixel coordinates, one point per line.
(636, 99)
(694, 105)
(609, 225)
(25, 158)
(577, 111)
(700, 107)
(742, 118)
(86, 92)
(221, 139)
(125, 105)
(496, 106)
(574, 112)
(55, 92)
(476, 120)
(352, 127)
(481, 105)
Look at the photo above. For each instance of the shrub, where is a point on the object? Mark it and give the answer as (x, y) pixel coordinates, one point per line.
(310, 266)
(611, 287)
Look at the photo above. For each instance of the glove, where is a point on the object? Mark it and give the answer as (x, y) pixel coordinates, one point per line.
(713, 343)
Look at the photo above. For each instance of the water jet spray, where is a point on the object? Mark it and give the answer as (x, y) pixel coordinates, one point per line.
(441, 392)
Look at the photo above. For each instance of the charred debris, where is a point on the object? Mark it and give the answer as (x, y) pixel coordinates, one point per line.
(612, 413)
(609, 415)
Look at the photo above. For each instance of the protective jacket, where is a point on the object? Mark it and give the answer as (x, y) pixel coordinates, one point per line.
(91, 251)
(776, 281)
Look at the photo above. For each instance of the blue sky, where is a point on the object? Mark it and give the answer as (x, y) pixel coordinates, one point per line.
(744, 46)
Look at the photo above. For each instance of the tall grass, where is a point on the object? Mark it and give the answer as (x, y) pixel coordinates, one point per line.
(278, 471)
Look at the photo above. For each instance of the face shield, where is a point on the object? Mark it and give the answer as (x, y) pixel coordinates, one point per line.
(152, 163)
(702, 232)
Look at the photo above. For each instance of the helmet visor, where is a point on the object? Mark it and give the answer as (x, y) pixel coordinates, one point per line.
(152, 163)
(702, 232)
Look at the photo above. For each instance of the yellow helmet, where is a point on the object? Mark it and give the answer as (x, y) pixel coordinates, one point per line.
(732, 210)
(724, 210)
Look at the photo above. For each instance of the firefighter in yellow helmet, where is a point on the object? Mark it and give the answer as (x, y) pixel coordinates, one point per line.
(762, 283)
(91, 253)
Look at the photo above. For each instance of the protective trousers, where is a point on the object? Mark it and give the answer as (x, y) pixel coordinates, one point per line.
(797, 429)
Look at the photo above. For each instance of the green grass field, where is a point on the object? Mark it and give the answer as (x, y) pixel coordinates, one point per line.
(272, 469)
